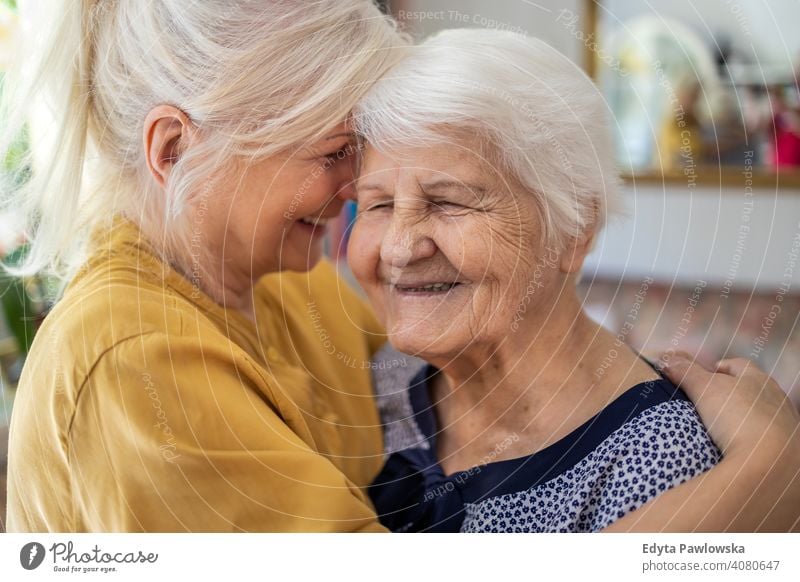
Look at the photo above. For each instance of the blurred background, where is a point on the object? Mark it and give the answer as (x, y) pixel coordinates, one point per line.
(706, 113)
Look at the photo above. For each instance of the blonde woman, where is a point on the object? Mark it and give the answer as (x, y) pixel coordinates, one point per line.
(204, 370)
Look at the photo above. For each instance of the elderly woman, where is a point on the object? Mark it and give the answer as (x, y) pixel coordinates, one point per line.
(180, 383)
(488, 174)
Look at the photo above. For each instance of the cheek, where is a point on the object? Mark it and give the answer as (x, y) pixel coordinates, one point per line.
(314, 192)
(363, 256)
(468, 245)
(294, 193)
(363, 251)
(511, 236)
(495, 255)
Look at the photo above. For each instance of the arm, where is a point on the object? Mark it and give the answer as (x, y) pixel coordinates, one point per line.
(170, 434)
(756, 486)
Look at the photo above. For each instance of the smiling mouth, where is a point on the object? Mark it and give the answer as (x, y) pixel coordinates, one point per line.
(426, 288)
(314, 226)
(316, 220)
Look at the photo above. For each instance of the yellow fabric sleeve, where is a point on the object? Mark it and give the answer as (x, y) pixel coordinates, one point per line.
(204, 451)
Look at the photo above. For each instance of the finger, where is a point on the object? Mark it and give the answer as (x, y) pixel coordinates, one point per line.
(738, 367)
(683, 371)
(674, 356)
(705, 391)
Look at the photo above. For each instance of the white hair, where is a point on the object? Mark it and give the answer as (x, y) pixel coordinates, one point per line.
(256, 78)
(542, 118)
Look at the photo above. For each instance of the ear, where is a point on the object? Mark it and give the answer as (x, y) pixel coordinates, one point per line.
(578, 247)
(167, 132)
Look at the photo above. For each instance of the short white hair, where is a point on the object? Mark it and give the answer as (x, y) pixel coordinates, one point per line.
(543, 120)
(257, 78)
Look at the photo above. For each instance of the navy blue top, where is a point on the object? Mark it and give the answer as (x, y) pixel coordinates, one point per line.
(645, 441)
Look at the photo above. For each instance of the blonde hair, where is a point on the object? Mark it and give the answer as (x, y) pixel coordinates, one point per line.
(256, 78)
(536, 113)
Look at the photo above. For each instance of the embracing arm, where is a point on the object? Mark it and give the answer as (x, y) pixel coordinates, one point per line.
(756, 486)
(171, 434)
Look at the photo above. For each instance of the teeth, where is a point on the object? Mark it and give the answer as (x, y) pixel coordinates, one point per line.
(435, 287)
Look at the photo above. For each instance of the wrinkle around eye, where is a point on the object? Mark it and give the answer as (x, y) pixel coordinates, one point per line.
(376, 207)
(452, 208)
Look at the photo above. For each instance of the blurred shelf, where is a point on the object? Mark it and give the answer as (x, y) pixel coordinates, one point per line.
(713, 176)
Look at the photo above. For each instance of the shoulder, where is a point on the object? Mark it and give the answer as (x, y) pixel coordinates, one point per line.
(128, 377)
(99, 315)
(394, 374)
(669, 438)
(105, 313)
(662, 433)
(662, 446)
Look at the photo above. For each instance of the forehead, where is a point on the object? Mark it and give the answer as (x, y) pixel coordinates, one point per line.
(457, 160)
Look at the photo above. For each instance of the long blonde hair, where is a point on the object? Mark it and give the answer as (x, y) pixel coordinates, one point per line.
(255, 77)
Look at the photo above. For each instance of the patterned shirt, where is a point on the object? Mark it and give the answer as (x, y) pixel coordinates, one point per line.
(644, 442)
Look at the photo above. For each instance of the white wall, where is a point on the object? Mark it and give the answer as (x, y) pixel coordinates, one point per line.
(539, 18)
(730, 238)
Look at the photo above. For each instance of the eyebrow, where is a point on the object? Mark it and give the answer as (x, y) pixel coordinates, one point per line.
(373, 186)
(445, 184)
(428, 187)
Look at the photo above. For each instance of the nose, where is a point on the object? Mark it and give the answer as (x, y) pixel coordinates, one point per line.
(405, 242)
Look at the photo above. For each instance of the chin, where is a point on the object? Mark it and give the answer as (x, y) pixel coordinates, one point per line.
(422, 339)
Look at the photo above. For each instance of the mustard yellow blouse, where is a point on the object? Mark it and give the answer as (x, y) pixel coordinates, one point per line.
(145, 406)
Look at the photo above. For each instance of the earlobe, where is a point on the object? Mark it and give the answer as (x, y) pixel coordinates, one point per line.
(579, 246)
(575, 252)
(167, 131)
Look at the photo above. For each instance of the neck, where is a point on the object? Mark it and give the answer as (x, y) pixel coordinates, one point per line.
(518, 386)
(226, 286)
(222, 280)
(235, 293)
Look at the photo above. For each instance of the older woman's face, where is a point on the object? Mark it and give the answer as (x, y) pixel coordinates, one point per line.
(444, 248)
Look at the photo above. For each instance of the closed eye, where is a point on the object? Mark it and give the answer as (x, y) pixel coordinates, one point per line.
(449, 207)
(379, 206)
(338, 155)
